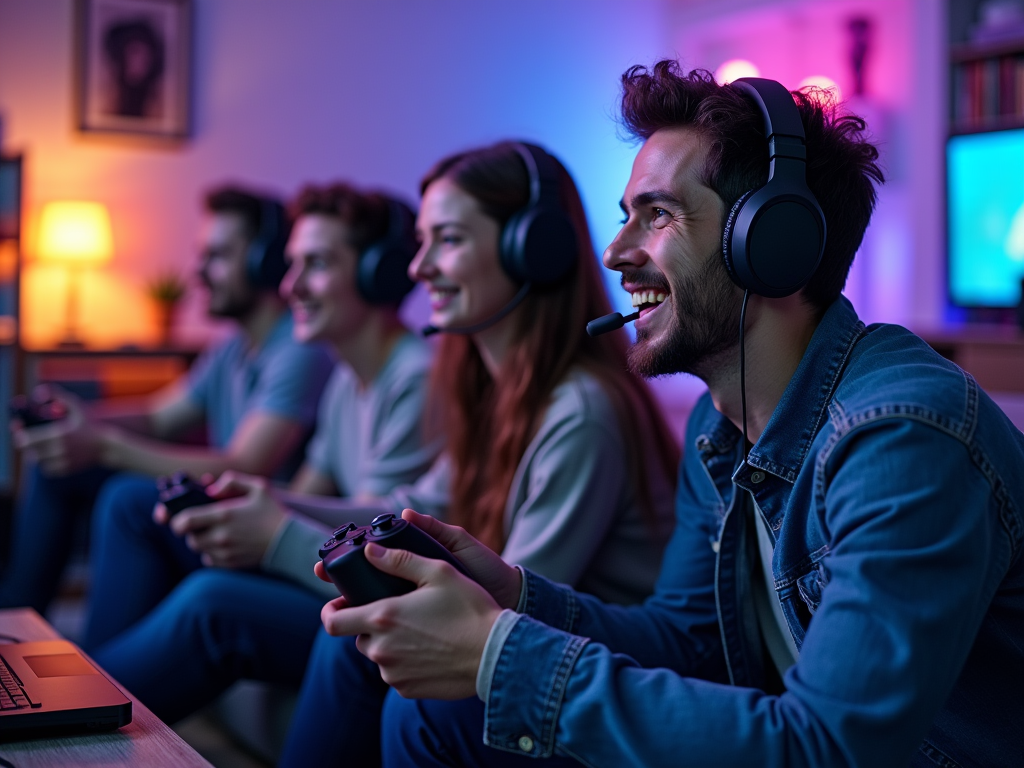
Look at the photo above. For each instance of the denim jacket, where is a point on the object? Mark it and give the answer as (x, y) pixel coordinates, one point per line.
(893, 488)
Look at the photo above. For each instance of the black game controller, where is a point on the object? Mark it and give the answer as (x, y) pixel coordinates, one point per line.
(179, 491)
(35, 409)
(356, 578)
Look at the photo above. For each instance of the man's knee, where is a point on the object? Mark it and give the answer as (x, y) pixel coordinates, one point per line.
(126, 501)
(208, 593)
(338, 658)
(431, 729)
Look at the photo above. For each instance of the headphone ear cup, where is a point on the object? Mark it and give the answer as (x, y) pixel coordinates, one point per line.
(511, 246)
(727, 238)
(366, 268)
(264, 261)
(382, 273)
(773, 239)
(538, 245)
(254, 258)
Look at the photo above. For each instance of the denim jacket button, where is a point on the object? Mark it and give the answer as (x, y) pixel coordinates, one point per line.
(756, 477)
(526, 743)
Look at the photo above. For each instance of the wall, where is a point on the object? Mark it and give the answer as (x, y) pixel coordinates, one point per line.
(287, 92)
(311, 90)
(898, 275)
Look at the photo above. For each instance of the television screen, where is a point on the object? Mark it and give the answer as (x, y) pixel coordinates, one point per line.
(985, 194)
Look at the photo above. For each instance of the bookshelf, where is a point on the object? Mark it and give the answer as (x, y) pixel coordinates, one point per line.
(986, 76)
(987, 86)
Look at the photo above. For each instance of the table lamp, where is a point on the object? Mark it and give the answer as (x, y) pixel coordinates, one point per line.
(74, 234)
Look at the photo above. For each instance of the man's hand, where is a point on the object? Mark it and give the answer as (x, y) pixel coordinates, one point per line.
(235, 532)
(427, 643)
(65, 446)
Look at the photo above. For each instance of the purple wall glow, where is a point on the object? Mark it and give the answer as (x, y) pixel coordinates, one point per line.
(376, 91)
(898, 273)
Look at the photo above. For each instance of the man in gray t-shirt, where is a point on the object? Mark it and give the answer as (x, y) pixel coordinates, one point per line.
(213, 628)
(257, 392)
(368, 438)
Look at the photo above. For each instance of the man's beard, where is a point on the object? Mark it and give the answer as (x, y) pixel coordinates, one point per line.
(235, 307)
(706, 323)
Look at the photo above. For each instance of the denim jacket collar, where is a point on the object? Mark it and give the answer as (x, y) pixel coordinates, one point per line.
(798, 417)
(782, 447)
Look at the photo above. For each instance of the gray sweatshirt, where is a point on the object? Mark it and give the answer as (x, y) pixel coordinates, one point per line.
(572, 515)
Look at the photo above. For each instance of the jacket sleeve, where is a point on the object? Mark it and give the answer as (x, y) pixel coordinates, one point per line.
(911, 572)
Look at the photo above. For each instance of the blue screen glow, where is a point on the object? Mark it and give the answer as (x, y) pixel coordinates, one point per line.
(985, 185)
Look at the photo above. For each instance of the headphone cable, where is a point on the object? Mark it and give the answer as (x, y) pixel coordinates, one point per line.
(743, 377)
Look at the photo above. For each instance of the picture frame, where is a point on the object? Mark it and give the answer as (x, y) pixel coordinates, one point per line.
(133, 67)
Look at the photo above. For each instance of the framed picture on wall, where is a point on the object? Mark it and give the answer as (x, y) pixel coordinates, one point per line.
(133, 67)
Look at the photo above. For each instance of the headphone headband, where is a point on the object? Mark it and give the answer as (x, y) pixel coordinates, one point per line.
(776, 104)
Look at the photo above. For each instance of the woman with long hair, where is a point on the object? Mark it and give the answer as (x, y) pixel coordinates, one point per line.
(556, 457)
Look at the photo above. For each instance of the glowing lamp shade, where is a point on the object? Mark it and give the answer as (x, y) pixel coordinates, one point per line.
(74, 232)
(825, 83)
(733, 69)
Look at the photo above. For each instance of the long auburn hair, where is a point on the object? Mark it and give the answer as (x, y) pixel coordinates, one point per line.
(489, 422)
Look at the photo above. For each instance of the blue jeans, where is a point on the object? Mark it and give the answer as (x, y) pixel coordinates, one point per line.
(43, 535)
(342, 692)
(216, 627)
(134, 561)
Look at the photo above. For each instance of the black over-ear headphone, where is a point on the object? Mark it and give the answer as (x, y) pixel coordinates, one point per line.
(382, 272)
(264, 261)
(538, 244)
(774, 235)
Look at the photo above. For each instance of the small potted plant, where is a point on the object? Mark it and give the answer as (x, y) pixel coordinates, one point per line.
(166, 290)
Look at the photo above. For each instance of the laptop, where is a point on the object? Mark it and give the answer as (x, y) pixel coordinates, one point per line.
(48, 687)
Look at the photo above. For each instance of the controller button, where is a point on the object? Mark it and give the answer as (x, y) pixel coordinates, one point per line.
(340, 533)
(358, 537)
(383, 522)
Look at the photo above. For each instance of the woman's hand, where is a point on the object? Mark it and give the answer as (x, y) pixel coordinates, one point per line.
(485, 566)
(428, 642)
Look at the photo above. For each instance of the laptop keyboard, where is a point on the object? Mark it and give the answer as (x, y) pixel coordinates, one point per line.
(12, 694)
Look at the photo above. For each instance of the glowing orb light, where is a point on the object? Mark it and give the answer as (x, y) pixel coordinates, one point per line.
(734, 69)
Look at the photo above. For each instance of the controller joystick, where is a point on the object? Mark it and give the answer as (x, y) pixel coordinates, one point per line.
(36, 409)
(358, 580)
(179, 491)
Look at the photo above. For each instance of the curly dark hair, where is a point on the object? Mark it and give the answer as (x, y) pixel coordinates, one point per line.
(842, 167)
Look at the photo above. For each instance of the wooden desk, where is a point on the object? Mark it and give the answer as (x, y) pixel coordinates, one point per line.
(146, 741)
